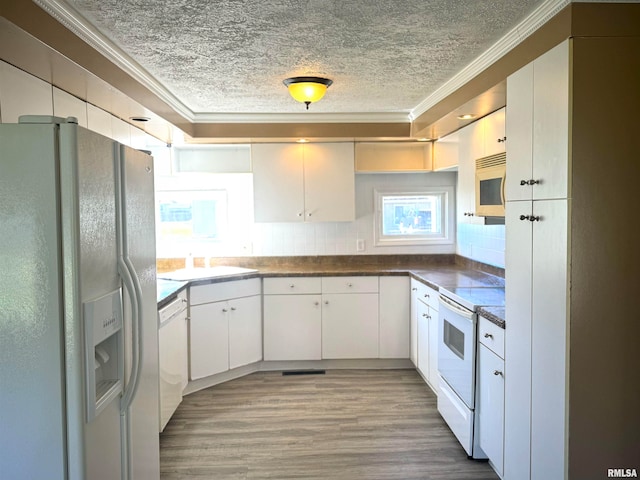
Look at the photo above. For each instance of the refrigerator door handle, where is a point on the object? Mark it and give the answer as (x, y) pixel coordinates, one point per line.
(132, 284)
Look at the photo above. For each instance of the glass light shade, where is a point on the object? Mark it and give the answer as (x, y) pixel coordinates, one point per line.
(307, 89)
(307, 92)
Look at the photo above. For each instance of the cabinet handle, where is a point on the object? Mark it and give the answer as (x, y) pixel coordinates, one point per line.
(291, 285)
(224, 310)
(184, 300)
(425, 315)
(426, 295)
(469, 214)
(497, 372)
(531, 218)
(326, 302)
(316, 303)
(414, 289)
(309, 214)
(488, 335)
(299, 214)
(502, 140)
(529, 182)
(349, 284)
(233, 309)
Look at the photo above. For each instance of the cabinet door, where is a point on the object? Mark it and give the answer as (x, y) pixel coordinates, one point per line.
(245, 331)
(551, 123)
(208, 340)
(519, 244)
(467, 155)
(66, 105)
(490, 406)
(413, 327)
(350, 325)
(292, 327)
(494, 133)
(329, 182)
(22, 94)
(394, 317)
(519, 128)
(278, 194)
(433, 350)
(549, 339)
(423, 339)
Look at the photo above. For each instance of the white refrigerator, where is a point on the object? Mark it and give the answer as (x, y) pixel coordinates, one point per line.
(78, 316)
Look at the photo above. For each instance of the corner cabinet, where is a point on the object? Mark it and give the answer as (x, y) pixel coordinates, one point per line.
(225, 326)
(310, 182)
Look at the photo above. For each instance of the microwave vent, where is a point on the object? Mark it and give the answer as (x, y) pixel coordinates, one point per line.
(491, 161)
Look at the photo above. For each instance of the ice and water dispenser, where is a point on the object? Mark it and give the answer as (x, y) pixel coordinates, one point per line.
(104, 343)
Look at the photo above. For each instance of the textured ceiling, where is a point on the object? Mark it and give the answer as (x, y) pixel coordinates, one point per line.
(230, 56)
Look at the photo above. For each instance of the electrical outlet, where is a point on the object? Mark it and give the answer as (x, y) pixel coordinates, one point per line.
(360, 245)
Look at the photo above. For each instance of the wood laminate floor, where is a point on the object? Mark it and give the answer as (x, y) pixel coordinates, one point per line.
(344, 425)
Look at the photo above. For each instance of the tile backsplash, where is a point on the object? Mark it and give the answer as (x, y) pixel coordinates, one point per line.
(483, 243)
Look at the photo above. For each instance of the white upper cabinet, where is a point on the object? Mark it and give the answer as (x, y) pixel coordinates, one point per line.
(393, 157)
(538, 154)
(66, 105)
(519, 126)
(470, 149)
(494, 137)
(303, 182)
(22, 94)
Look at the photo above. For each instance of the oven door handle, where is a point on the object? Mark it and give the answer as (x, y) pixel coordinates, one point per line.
(451, 305)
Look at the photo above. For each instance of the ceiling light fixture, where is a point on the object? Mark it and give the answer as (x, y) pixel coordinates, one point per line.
(307, 89)
(466, 116)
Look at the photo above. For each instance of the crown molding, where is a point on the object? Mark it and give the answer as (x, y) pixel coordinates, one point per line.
(76, 23)
(514, 37)
(386, 117)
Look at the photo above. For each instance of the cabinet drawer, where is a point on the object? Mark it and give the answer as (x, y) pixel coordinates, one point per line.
(491, 336)
(292, 285)
(215, 292)
(425, 293)
(349, 284)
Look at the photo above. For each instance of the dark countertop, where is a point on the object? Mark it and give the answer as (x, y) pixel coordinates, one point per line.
(166, 290)
(435, 276)
(493, 314)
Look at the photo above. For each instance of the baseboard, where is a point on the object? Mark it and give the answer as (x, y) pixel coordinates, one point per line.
(270, 366)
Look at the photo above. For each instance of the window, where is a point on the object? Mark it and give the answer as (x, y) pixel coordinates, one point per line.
(203, 215)
(413, 218)
(185, 216)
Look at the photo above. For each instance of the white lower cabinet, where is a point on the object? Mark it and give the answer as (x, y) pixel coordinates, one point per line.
(314, 318)
(424, 332)
(208, 340)
(224, 333)
(292, 327)
(245, 331)
(350, 325)
(394, 314)
(490, 392)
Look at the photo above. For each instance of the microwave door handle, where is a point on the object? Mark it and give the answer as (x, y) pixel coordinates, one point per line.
(502, 185)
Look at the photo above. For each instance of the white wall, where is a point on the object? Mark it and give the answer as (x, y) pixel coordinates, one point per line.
(340, 238)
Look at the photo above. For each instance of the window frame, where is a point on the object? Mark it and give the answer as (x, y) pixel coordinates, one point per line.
(447, 214)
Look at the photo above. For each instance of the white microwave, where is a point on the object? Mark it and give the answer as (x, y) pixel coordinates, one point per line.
(490, 177)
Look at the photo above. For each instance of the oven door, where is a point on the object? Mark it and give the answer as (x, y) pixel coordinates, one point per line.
(457, 349)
